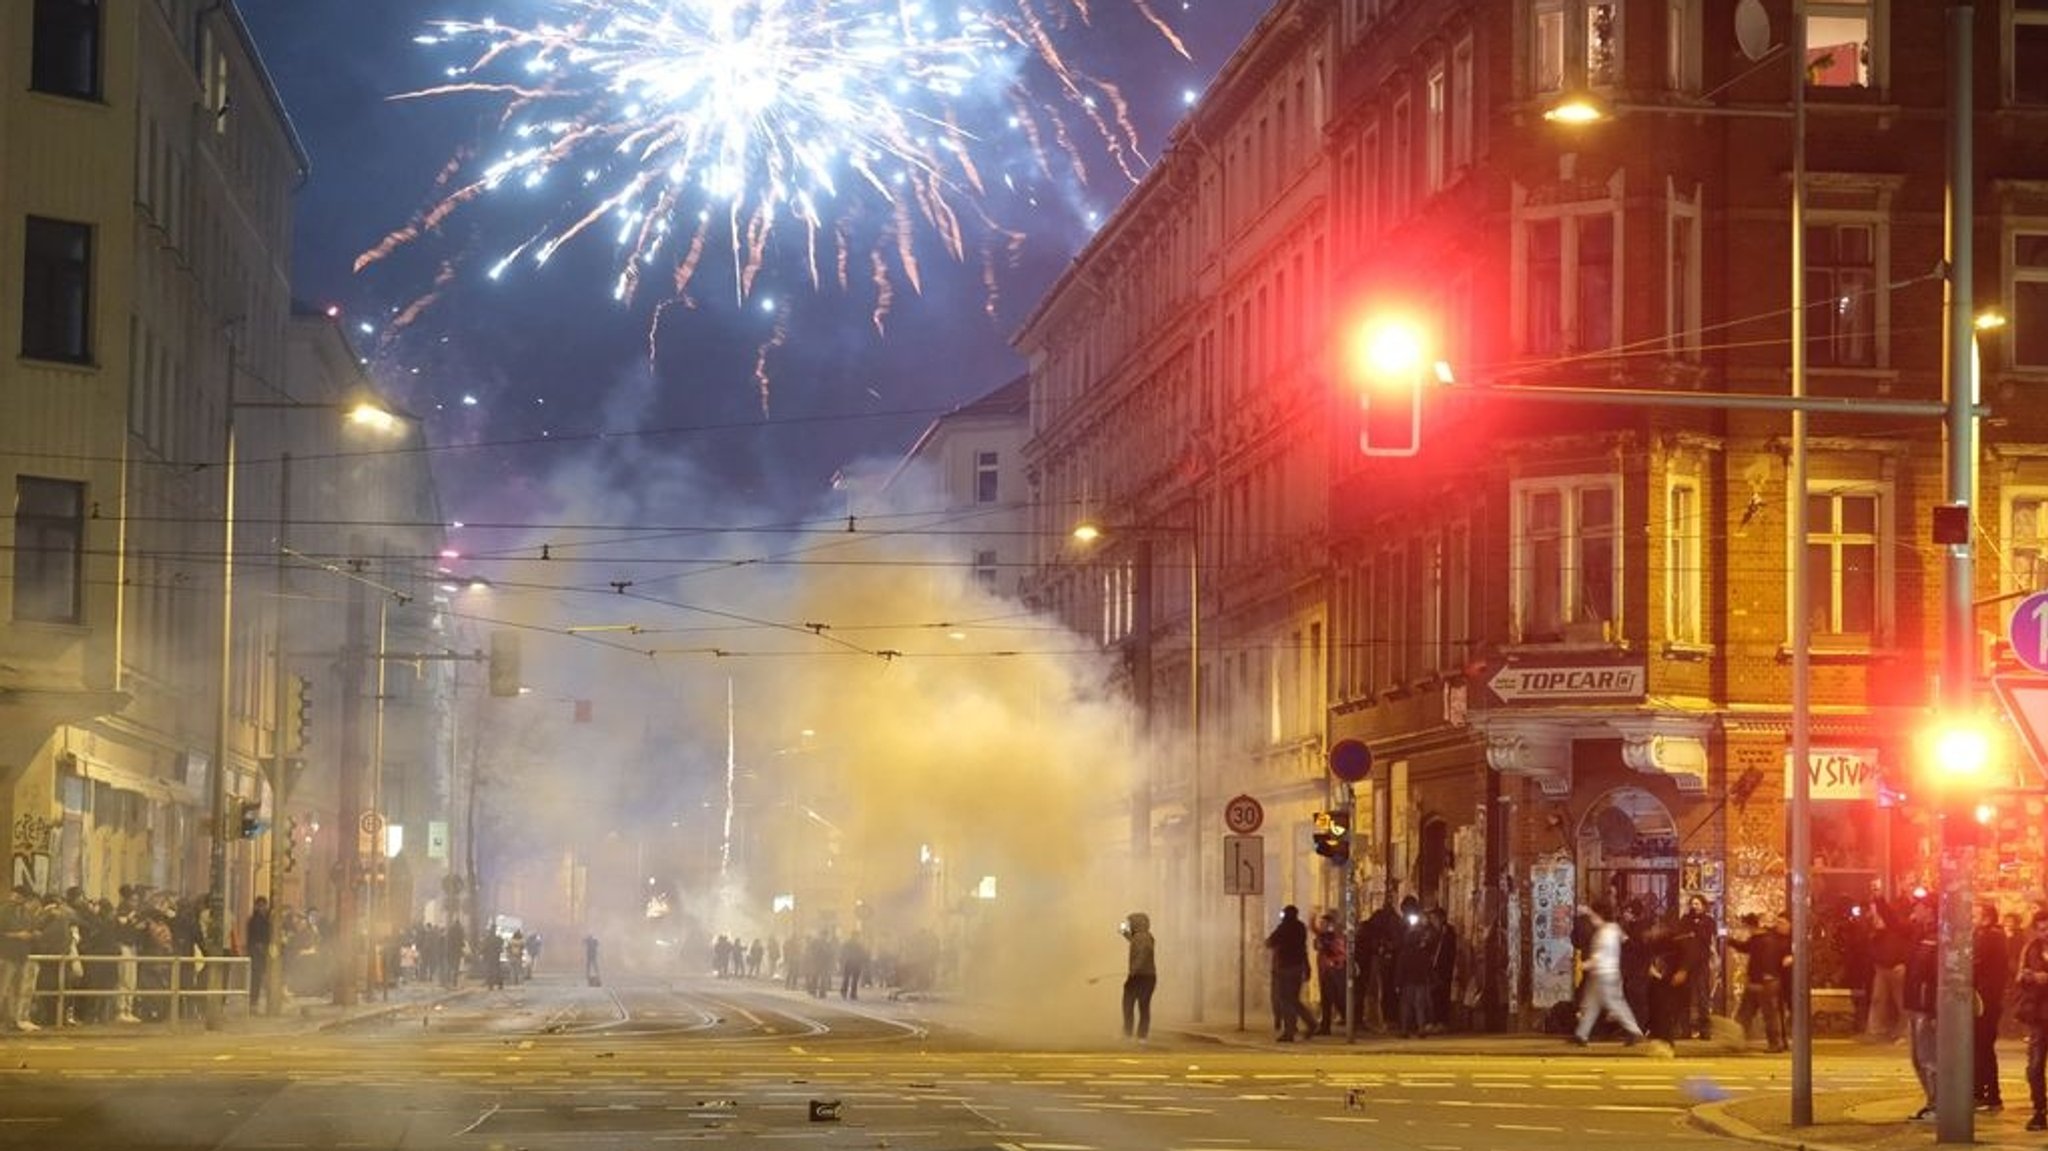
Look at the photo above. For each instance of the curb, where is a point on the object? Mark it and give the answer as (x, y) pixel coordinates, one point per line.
(1715, 1119)
(388, 1009)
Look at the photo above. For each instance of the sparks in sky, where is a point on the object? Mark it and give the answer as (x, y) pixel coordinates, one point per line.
(860, 127)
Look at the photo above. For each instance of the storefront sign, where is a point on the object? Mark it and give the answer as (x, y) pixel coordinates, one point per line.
(1561, 683)
(1838, 773)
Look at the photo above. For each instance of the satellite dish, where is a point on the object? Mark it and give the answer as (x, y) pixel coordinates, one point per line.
(1752, 29)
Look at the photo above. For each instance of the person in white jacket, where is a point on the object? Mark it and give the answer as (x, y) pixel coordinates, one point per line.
(1603, 979)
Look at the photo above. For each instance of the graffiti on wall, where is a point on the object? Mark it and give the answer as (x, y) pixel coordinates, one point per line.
(1554, 903)
(1756, 880)
(33, 838)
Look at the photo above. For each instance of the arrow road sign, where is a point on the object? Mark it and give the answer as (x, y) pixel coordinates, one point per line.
(1244, 865)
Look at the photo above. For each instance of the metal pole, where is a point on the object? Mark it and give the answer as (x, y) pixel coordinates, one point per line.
(379, 895)
(280, 777)
(1197, 816)
(1799, 862)
(217, 770)
(1955, 1021)
(349, 801)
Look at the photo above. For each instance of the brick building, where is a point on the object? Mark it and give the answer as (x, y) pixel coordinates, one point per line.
(1563, 630)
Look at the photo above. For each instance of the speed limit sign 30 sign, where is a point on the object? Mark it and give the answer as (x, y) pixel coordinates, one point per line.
(1243, 815)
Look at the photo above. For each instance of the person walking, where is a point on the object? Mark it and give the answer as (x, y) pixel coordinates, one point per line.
(853, 966)
(1891, 938)
(1443, 969)
(1141, 976)
(1602, 991)
(1332, 965)
(1288, 943)
(1920, 994)
(1989, 974)
(1415, 969)
(256, 935)
(2030, 1011)
(1770, 956)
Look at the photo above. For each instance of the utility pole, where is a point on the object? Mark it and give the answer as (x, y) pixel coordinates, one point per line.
(280, 772)
(349, 805)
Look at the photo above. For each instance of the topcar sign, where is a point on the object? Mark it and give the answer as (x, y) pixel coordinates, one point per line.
(1559, 683)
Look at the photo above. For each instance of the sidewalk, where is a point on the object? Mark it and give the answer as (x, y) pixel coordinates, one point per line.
(1855, 1121)
(302, 1013)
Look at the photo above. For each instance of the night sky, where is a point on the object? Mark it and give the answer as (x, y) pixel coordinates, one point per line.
(547, 358)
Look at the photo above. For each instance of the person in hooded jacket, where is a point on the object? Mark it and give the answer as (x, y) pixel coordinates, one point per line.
(2030, 1008)
(1919, 992)
(1288, 942)
(1141, 976)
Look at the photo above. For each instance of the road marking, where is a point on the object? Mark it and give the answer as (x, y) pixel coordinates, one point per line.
(1527, 1127)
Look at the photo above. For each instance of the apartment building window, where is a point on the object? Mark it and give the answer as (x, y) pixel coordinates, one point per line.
(1457, 627)
(1682, 294)
(1567, 564)
(1463, 115)
(1436, 127)
(2026, 542)
(987, 472)
(49, 549)
(1401, 161)
(1840, 48)
(67, 49)
(1427, 577)
(2029, 296)
(1841, 295)
(1568, 292)
(1574, 38)
(1685, 574)
(1845, 541)
(985, 569)
(2028, 53)
(1682, 32)
(56, 311)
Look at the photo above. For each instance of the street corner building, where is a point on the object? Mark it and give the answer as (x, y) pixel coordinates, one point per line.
(1546, 572)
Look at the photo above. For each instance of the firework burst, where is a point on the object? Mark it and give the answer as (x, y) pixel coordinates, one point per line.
(685, 127)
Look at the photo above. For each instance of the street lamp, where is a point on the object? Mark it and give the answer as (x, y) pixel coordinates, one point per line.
(362, 414)
(1088, 533)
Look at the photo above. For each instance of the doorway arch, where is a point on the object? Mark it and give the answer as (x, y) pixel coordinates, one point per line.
(1628, 850)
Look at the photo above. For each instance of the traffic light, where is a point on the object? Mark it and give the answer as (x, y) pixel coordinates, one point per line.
(299, 704)
(1390, 366)
(1333, 835)
(250, 818)
(504, 663)
(1960, 755)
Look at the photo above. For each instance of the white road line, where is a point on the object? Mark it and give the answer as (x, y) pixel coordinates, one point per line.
(1527, 1127)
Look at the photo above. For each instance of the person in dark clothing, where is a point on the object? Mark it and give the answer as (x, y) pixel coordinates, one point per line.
(1989, 973)
(1770, 957)
(257, 937)
(1381, 939)
(494, 961)
(1919, 993)
(1671, 947)
(1443, 969)
(1699, 932)
(1415, 970)
(1288, 943)
(1332, 963)
(1852, 936)
(1141, 976)
(1635, 957)
(2030, 1009)
(1891, 938)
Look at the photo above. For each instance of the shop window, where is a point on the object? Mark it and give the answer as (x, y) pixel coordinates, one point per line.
(1839, 42)
(1845, 565)
(1567, 577)
(49, 550)
(1841, 295)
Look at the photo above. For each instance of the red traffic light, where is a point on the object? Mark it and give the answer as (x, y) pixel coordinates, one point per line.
(1389, 361)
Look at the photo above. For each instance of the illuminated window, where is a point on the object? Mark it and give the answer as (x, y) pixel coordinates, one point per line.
(1841, 295)
(2029, 296)
(1684, 575)
(1574, 41)
(1839, 48)
(49, 550)
(2029, 52)
(1567, 561)
(1845, 558)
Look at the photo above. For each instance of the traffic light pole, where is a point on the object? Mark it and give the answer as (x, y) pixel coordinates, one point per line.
(1955, 1016)
(280, 774)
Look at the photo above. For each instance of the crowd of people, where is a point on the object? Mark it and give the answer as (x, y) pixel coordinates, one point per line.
(823, 962)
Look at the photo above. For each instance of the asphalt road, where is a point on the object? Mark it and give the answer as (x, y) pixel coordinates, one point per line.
(554, 1066)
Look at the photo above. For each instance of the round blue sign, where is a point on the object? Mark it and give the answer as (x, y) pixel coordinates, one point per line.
(2027, 631)
(1350, 760)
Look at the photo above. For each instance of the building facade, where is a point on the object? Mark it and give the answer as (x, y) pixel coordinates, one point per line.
(1564, 630)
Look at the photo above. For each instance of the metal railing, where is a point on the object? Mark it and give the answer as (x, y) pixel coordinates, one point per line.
(181, 979)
